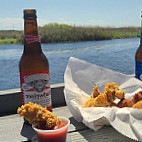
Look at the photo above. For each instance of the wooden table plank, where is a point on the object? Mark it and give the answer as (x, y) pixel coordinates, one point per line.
(105, 134)
(12, 129)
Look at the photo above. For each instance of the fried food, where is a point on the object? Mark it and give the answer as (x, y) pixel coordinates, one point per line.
(111, 86)
(137, 97)
(125, 103)
(99, 101)
(110, 95)
(106, 99)
(38, 116)
(119, 94)
(138, 105)
(96, 92)
(109, 90)
(90, 102)
(112, 90)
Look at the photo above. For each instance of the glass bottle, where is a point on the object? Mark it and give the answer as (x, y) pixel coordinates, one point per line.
(33, 65)
(138, 58)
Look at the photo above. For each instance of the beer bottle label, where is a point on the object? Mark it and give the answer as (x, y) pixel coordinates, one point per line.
(35, 88)
(31, 38)
(138, 70)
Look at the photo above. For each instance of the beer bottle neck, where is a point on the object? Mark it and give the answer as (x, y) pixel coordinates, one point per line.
(30, 26)
(31, 37)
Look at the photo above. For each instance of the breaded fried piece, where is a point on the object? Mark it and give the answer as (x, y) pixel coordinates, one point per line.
(39, 116)
(138, 105)
(96, 92)
(119, 94)
(101, 101)
(111, 86)
(90, 103)
(109, 90)
(110, 95)
(125, 103)
(112, 90)
(137, 97)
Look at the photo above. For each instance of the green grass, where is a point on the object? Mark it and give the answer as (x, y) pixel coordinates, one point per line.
(9, 36)
(8, 41)
(53, 33)
(57, 33)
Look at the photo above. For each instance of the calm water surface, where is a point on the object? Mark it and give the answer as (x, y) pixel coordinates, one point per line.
(117, 55)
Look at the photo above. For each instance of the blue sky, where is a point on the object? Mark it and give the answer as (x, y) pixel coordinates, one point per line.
(116, 13)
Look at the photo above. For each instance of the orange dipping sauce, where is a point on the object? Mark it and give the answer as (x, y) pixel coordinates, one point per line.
(56, 135)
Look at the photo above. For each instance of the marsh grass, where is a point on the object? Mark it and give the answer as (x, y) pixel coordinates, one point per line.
(8, 41)
(57, 33)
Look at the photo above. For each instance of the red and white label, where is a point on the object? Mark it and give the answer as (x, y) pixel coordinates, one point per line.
(31, 38)
(35, 88)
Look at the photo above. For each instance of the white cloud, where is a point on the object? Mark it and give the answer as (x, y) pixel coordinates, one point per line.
(64, 21)
(18, 23)
(91, 22)
(42, 22)
(11, 23)
(82, 23)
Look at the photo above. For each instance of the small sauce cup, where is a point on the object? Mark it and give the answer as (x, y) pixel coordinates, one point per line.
(57, 135)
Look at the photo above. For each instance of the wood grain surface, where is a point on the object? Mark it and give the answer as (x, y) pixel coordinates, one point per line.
(12, 129)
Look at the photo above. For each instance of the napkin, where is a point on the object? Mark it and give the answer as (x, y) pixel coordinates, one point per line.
(80, 77)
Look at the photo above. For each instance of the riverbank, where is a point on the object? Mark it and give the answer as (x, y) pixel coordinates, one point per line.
(60, 33)
(10, 36)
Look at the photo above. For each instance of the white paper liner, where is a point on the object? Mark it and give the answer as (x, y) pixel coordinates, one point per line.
(80, 76)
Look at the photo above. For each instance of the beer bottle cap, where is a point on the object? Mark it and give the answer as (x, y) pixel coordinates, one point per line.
(30, 13)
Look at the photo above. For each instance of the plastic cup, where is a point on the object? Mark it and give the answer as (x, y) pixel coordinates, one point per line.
(57, 135)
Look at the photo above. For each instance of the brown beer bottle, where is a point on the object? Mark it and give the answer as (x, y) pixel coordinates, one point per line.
(138, 58)
(33, 65)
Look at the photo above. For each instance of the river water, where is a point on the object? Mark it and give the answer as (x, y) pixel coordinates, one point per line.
(116, 54)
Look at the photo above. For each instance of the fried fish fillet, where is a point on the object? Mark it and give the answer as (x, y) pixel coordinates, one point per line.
(38, 116)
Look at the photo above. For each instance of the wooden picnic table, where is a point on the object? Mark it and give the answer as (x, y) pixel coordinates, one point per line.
(13, 128)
